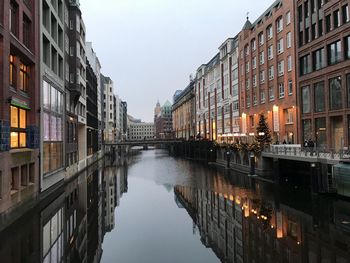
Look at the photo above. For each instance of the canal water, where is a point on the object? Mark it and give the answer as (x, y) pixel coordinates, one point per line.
(155, 208)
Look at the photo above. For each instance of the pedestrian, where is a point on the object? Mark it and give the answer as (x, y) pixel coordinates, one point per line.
(284, 141)
(311, 145)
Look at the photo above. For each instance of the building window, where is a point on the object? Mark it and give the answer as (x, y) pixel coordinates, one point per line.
(318, 59)
(335, 94)
(347, 47)
(280, 46)
(280, 65)
(279, 24)
(18, 127)
(281, 90)
(253, 44)
(254, 80)
(271, 73)
(306, 9)
(320, 127)
(262, 58)
(24, 77)
(270, 52)
(13, 18)
(307, 129)
(262, 76)
(305, 99)
(261, 38)
(319, 97)
(254, 63)
(320, 27)
(269, 32)
(345, 13)
(289, 63)
(289, 39)
(251, 120)
(348, 88)
(288, 18)
(305, 65)
(328, 23)
(288, 115)
(246, 68)
(26, 31)
(262, 97)
(336, 19)
(53, 128)
(13, 71)
(290, 87)
(271, 93)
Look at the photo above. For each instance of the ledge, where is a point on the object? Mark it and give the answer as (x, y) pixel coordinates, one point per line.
(21, 150)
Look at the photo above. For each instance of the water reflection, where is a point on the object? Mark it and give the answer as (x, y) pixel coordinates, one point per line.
(177, 211)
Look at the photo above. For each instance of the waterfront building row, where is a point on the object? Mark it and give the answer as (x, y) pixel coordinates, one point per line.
(57, 108)
(290, 65)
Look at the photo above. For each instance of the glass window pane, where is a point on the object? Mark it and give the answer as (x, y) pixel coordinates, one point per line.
(335, 94)
(59, 129)
(306, 99)
(22, 119)
(54, 229)
(46, 127)
(14, 139)
(319, 97)
(53, 99)
(53, 156)
(22, 139)
(321, 139)
(307, 132)
(46, 95)
(53, 128)
(14, 117)
(46, 238)
(46, 156)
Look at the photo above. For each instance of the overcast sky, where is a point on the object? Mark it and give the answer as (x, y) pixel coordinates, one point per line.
(150, 47)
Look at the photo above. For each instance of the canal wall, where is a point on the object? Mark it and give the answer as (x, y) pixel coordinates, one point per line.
(12, 214)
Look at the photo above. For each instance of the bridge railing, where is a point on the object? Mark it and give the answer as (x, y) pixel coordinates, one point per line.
(309, 152)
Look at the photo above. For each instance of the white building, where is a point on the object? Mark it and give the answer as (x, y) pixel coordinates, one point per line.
(217, 97)
(141, 131)
(108, 109)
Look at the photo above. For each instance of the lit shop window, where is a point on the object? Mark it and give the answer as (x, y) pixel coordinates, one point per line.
(18, 127)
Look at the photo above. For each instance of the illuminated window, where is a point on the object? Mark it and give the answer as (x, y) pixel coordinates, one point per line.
(12, 71)
(24, 77)
(18, 127)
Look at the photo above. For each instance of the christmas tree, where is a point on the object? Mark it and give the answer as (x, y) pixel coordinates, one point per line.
(263, 132)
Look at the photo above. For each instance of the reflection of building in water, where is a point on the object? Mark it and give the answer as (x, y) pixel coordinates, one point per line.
(52, 231)
(248, 229)
(114, 185)
(76, 220)
(109, 198)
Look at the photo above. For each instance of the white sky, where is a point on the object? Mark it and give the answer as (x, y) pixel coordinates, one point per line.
(150, 47)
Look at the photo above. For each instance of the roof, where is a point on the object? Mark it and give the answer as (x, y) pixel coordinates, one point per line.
(247, 25)
(167, 104)
(267, 11)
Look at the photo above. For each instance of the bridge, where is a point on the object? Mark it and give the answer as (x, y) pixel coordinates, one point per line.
(150, 142)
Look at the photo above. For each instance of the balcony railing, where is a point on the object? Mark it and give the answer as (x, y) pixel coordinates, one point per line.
(309, 152)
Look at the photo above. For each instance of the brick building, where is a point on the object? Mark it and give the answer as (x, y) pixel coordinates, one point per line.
(267, 72)
(19, 102)
(323, 53)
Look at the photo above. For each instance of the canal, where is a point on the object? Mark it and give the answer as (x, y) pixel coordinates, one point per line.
(155, 208)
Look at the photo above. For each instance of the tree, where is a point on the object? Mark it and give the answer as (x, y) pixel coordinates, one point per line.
(263, 132)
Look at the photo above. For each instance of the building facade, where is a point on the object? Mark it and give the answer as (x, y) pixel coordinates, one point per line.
(52, 41)
(108, 108)
(184, 115)
(217, 111)
(323, 53)
(163, 121)
(20, 104)
(267, 72)
(141, 131)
